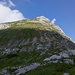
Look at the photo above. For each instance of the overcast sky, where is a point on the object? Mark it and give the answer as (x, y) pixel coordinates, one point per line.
(62, 11)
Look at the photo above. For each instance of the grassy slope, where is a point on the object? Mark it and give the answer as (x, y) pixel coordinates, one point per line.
(30, 30)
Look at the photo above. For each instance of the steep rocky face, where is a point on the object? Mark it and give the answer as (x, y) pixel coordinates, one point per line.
(32, 44)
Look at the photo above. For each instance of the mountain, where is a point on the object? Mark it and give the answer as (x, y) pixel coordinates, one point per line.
(35, 47)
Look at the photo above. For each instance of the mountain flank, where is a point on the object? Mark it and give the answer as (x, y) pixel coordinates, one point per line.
(35, 47)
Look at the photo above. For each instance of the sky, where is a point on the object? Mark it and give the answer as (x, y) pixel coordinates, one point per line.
(62, 11)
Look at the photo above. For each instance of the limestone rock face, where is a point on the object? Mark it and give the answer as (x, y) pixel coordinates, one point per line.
(43, 19)
(4, 26)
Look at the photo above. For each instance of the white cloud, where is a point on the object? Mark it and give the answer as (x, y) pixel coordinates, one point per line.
(7, 14)
(8, 3)
(28, 1)
(11, 3)
(53, 21)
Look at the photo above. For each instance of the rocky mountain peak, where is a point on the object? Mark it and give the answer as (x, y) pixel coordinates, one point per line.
(43, 19)
(37, 46)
